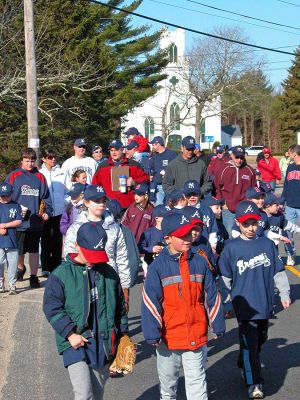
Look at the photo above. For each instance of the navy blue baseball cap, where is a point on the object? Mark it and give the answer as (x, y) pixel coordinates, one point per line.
(79, 142)
(94, 192)
(265, 187)
(157, 139)
(247, 210)
(271, 199)
(141, 189)
(5, 189)
(194, 214)
(132, 131)
(176, 224)
(92, 238)
(238, 151)
(189, 143)
(176, 195)
(76, 190)
(116, 144)
(210, 200)
(114, 207)
(254, 193)
(220, 149)
(190, 187)
(160, 211)
(132, 145)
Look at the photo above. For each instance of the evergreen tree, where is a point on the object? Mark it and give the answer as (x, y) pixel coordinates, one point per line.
(290, 103)
(92, 68)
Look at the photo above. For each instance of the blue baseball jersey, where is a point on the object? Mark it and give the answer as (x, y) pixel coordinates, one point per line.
(9, 212)
(251, 266)
(159, 162)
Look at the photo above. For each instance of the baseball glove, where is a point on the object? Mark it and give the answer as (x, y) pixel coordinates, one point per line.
(125, 357)
(42, 208)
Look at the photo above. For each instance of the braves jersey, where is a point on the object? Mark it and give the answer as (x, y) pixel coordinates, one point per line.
(9, 212)
(251, 266)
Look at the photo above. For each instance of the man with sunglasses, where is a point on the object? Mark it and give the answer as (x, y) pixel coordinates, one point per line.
(231, 184)
(97, 154)
(79, 161)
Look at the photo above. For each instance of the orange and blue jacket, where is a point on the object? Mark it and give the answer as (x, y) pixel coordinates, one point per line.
(180, 298)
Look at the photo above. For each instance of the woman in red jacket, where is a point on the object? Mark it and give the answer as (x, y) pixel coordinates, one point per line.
(269, 168)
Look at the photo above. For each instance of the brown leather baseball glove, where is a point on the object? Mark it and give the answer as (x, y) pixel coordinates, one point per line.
(124, 361)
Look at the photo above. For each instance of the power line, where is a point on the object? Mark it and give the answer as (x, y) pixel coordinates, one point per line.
(287, 2)
(220, 16)
(243, 15)
(191, 30)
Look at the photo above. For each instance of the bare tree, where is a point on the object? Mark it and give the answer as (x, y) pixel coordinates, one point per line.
(216, 65)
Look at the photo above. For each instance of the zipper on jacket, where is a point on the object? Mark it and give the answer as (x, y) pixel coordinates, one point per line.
(86, 282)
(180, 289)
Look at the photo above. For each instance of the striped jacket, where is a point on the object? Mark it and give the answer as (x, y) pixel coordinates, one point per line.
(179, 297)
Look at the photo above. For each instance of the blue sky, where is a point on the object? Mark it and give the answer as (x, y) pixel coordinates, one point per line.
(195, 16)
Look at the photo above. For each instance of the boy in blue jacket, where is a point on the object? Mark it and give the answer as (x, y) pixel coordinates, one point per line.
(249, 267)
(178, 294)
(84, 303)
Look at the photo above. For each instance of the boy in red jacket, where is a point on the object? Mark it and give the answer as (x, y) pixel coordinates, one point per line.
(179, 296)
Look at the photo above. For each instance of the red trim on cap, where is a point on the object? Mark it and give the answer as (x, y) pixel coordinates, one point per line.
(183, 230)
(94, 256)
(245, 217)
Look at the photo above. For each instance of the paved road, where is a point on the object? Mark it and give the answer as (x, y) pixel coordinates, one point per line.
(36, 371)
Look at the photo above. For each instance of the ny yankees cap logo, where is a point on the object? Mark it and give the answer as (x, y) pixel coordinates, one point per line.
(191, 185)
(100, 189)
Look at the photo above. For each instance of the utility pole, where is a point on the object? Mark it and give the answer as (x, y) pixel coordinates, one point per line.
(31, 84)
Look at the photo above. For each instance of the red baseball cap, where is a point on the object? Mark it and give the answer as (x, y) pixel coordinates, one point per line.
(266, 150)
(92, 238)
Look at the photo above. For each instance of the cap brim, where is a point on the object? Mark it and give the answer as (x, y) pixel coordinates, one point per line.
(183, 230)
(140, 193)
(197, 221)
(189, 148)
(244, 218)
(94, 256)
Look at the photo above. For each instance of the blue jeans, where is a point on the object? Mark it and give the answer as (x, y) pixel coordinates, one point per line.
(10, 256)
(292, 215)
(160, 195)
(169, 363)
(228, 218)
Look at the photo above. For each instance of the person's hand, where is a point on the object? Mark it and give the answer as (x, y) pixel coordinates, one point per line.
(278, 181)
(162, 172)
(157, 249)
(213, 249)
(286, 303)
(3, 231)
(77, 341)
(45, 217)
(285, 240)
(130, 181)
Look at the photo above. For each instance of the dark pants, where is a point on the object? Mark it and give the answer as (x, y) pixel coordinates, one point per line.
(51, 244)
(252, 335)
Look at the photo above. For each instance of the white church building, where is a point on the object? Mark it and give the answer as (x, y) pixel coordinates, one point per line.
(171, 109)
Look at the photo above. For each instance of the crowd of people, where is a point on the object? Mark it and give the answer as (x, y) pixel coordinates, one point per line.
(189, 221)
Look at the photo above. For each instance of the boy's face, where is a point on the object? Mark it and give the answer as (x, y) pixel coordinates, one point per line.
(248, 228)
(139, 199)
(158, 220)
(77, 199)
(96, 207)
(259, 201)
(217, 210)
(179, 245)
(28, 163)
(193, 199)
(5, 199)
(196, 233)
(272, 209)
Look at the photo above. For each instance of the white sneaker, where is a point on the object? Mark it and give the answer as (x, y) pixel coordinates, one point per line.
(255, 392)
(2, 287)
(12, 290)
(290, 261)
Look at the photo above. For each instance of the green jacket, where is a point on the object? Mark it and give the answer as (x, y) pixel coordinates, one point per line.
(67, 304)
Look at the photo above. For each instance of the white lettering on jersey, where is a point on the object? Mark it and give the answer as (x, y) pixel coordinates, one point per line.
(261, 259)
(27, 191)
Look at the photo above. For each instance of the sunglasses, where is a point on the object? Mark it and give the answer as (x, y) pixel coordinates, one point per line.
(81, 147)
(239, 157)
(50, 157)
(98, 151)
